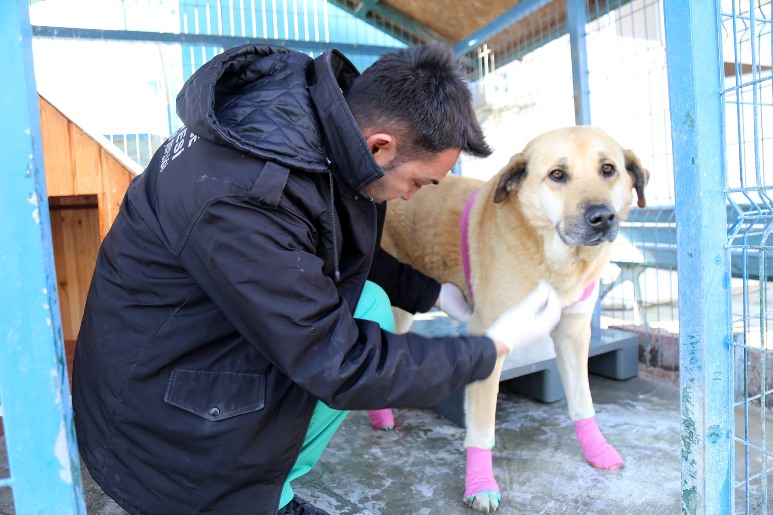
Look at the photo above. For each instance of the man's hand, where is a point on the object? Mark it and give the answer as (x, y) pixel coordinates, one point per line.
(528, 322)
(452, 301)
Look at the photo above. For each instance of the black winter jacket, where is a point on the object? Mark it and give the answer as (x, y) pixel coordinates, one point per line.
(214, 321)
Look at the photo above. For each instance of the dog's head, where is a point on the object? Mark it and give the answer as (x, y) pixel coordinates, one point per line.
(577, 181)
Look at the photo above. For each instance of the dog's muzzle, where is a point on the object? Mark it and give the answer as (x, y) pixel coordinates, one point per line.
(597, 223)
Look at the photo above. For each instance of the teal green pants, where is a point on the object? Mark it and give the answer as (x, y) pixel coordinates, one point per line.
(374, 306)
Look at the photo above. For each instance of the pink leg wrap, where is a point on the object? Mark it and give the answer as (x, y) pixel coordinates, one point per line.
(480, 472)
(382, 419)
(596, 449)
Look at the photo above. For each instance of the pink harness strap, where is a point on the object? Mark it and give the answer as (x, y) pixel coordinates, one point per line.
(587, 292)
(466, 253)
(466, 245)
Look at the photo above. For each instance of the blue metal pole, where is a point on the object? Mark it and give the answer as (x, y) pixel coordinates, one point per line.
(697, 123)
(576, 19)
(39, 433)
(204, 40)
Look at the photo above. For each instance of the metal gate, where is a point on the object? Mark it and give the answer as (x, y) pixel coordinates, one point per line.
(39, 434)
(719, 57)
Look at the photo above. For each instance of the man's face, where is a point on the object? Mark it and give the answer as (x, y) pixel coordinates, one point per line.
(404, 179)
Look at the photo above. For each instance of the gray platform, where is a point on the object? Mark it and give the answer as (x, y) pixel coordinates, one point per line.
(613, 354)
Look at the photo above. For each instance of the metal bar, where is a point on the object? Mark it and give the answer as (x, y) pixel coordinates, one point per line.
(37, 417)
(223, 41)
(576, 20)
(705, 342)
(362, 10)
(513, 15)
(380, 15)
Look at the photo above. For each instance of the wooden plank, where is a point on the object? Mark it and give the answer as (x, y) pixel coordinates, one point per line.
(115, 181)
(467, 16)
(86, 161)
(76, 239)
(60, 172)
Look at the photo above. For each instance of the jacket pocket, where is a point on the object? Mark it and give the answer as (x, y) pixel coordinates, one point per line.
(216, 395)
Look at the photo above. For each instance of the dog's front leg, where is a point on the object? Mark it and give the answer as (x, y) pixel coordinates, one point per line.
(481, 491)
(572, 342)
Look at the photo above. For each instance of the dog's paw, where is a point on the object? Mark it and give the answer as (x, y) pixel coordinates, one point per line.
(484, 502)
(481, 491)
(597, 451)
(605, 457)
(382, 419)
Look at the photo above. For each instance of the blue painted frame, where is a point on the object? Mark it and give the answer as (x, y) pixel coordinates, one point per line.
(213, 40)
(706, 352)
(576, 20)
(37, 417)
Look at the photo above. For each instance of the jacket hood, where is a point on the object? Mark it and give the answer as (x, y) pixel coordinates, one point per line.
(283, 106)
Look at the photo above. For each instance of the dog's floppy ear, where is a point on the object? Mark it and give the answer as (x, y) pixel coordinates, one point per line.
(640, 175)
(510, 177)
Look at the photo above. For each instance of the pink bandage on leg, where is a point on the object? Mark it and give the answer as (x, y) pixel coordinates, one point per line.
(382, 419)
(480, 472)
(596, 449)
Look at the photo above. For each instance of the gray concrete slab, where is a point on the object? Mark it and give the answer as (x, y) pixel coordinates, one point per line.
(419, 467)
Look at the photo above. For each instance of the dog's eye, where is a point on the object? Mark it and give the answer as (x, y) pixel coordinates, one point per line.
(608, 170)
(557, 175)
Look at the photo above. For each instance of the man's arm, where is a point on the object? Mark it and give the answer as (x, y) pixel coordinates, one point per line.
(406, 287)
(260, 267)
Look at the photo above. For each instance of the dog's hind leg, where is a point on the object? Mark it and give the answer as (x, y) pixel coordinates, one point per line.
(572, 341)
(481, 491)
(384, 418)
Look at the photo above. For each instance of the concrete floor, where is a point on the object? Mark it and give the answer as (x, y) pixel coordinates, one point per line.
(419, 467)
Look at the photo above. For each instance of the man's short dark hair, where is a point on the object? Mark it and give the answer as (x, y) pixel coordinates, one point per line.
(419, 93)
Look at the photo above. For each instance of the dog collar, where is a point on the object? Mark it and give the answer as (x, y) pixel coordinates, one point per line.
(465, 244)
(587, 292)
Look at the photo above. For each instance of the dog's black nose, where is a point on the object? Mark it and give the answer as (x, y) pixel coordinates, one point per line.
(599, 217)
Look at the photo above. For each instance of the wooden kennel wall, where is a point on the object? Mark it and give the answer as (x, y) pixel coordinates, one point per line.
(86, 179)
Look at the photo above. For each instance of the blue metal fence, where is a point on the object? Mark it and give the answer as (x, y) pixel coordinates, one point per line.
(704, 292)
(745, 33)
(39, 433)
(716, 125)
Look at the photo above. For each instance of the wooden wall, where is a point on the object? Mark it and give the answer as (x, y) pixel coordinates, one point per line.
(76, 239)
(77, 163)
(86, 180)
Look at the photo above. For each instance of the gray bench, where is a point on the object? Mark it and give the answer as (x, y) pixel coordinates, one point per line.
(651, 232)
(613, 353)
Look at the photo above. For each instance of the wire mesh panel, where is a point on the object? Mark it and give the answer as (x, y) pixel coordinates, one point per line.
(522, 85)
(748, 96)
(522, 82)
(629, 98)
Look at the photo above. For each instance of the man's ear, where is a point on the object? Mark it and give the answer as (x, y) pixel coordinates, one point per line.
(382, 146)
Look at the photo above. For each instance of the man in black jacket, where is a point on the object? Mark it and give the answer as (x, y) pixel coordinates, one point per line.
(241, 297)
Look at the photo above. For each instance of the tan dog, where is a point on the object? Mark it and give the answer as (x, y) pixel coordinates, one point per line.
(550, 214)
